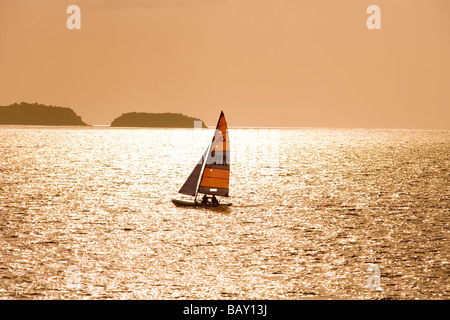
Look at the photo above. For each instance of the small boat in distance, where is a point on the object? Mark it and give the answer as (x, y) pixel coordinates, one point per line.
(211, 175)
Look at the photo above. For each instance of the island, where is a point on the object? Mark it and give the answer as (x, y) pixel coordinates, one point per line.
(38, 114)
(157, 120)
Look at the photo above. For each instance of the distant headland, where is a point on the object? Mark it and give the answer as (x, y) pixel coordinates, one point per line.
(42, 115)
(38, 114)
(158, 120)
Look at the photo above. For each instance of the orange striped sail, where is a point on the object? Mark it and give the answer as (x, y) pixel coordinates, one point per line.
(216, 174)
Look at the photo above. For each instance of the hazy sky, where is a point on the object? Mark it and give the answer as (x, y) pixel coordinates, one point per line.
(264, 62)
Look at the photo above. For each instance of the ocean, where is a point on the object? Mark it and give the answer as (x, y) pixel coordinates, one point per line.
(318, 213)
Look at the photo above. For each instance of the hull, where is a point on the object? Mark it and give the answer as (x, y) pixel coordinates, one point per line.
(181, 203)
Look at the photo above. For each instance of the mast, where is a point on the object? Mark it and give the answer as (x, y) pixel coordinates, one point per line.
(216, 172)
(211, 173)
(206, 157)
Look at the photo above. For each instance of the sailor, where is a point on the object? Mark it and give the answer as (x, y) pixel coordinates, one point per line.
(214, 200)
(205, 199)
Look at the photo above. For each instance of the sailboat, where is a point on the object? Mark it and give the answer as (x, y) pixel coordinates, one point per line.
(211, 175)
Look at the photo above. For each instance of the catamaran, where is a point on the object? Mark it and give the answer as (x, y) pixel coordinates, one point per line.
(211, 175)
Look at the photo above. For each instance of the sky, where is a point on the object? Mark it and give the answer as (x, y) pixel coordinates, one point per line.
(265, 63)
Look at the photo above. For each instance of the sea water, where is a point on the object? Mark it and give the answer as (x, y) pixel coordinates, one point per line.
(86, 213)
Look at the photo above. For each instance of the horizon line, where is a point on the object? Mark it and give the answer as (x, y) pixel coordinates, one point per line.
(279, 127)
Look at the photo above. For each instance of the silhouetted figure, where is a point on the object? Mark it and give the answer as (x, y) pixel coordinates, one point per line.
(205, 199)
(214, 200)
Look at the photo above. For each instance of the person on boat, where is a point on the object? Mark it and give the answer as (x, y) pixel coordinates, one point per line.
(205, 199)
(214, 200)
